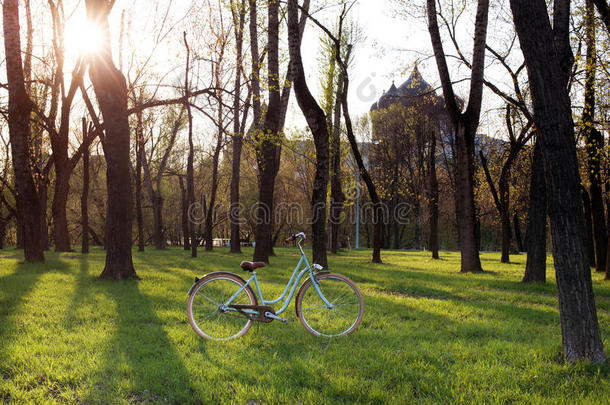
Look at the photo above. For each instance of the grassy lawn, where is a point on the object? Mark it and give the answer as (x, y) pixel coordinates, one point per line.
(429, 335)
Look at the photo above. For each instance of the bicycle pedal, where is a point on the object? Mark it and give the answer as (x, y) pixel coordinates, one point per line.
(274, 316)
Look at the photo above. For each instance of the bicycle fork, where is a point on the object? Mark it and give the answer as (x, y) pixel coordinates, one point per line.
(316, 285)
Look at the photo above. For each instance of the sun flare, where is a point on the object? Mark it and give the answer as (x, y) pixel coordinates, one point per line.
(82, 38)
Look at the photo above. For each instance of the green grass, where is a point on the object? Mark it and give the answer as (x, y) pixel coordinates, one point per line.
(429, 335)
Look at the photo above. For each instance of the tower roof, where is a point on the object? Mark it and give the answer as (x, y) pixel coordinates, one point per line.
(414, 86)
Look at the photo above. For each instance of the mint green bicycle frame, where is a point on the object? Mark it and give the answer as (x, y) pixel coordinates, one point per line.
(297, 275)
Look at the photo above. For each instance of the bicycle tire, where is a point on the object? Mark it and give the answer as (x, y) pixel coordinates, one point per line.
(204, 315)
(340, 320)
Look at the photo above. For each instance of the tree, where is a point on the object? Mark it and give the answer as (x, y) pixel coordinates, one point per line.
(111, 92)
(6, 191)
(62, 98)
(366, 177)
(332, 87)
(84, 202)
(548, 58)
(316, 120)
(184, 223)
(433, 197)
(172, 124)
(501, 195)
(535, 267)
(140, 155)
(594, 143)
(517, 99)
(190, 176)
(267, 138)
(266, 131)
(217, 45)
(238, 12)
(465, 124)
(604, 11)
(19, 114)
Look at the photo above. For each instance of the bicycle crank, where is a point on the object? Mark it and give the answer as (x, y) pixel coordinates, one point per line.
(274, 316)
(260, 313)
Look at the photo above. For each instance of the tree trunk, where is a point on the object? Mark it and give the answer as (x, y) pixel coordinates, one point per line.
(502, 201)
(19, 112)
(469, 245)
(157, 205)
(433, 197)
(336, 191)
(19, 225)
(607, 277)
(190, 171)
(61, 236)
(3, 225)
(465, 125)
(59, 138)
(594, 144)
(507, 236)
(518, 239)
(316, 120)
(43, 192)
(64, 167)
(238, 24)
(84, 203)
(396, 231)
(535, 268)
(267, 140)
(604, 11)
(139, 158)
(364, 173)
(209, 220)
(417, 230)
(587, 230)
(185, 220)
(234, 210)
(111, 91)
(547, 72)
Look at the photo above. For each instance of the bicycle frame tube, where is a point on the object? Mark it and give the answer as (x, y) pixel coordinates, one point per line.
(288, 293)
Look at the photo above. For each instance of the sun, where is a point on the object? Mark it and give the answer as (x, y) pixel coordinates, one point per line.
(82, 38)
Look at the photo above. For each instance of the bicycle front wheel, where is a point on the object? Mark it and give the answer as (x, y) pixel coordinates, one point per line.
(204, 307)
(345, 312)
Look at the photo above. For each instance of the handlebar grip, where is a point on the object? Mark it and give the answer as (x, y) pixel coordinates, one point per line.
(289, 239)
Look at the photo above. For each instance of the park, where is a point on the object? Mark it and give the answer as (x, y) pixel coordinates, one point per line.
(304, 202)
(429, 335)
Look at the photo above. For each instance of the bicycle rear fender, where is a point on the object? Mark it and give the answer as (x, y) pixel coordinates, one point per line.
(197, 279)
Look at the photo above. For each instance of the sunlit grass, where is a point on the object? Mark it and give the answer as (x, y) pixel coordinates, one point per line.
(429, 335)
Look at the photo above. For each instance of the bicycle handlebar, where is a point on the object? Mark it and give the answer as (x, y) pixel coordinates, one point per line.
(295, 236)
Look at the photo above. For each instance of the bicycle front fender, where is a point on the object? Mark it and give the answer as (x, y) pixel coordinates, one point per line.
(197, 279)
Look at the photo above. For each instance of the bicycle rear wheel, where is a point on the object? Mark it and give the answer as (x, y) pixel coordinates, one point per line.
(345, 313)
(204, 310)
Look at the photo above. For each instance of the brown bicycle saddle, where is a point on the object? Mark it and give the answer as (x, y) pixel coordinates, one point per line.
(251, 266)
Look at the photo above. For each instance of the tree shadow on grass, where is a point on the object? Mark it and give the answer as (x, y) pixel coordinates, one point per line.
(14, 290)
(141, 363)
(82, 291)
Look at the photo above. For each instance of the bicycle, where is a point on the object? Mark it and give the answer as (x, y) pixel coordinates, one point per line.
(223, 306)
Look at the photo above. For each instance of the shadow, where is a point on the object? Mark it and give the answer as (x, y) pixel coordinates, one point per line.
(15, 288)
(82, 293)
(140, 363)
